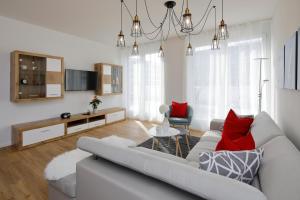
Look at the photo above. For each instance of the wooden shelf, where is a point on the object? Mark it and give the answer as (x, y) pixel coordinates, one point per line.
(105, 116)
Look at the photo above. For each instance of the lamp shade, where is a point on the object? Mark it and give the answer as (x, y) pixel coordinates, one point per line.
(163, 109)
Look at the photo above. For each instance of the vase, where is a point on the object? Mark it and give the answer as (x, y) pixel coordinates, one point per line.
(165, 125)
(94, 110)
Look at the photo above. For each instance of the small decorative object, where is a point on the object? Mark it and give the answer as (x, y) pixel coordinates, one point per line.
(24, 82)
(165, 125)
(65, 115)
(95, 103)
(24, 67)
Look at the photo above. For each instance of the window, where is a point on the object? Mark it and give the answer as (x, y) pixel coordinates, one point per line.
(145, 90)
(220, 80)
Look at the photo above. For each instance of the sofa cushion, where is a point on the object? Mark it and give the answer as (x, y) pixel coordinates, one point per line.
(211, 136)
(245, 142)
(198, 182)
(66, 185)
(235, 126)
(238, 165)
(175, 120)
(264, 129)
(201, 146)
(280, 172)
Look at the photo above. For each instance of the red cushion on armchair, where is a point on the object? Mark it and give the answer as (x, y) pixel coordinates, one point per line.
(179, 110)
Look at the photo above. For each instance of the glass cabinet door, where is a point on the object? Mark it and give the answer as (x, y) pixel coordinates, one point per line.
(116, 79)
(32, 77)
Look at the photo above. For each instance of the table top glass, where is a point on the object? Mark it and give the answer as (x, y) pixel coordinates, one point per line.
(159, 131)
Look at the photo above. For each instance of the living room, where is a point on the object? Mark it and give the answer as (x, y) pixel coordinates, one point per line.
(140, 99)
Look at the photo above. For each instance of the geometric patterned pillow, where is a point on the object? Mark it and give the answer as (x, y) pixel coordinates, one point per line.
(239, 165)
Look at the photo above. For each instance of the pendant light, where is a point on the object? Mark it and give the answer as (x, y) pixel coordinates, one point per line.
(121, 39)
(187, 24)
(215, 40)
(223, 31)
(136, 29)
(189, 50)
(135, 49)
(161, 51)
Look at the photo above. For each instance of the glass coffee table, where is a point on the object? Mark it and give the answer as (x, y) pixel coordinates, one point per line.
(158, 132)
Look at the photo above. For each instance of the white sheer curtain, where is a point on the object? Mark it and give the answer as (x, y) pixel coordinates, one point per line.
(144, 78)
(228, 78)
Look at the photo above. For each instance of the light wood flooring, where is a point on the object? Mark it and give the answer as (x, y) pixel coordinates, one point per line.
(21, 172)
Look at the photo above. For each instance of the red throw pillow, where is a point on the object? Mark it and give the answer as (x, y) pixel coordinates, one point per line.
(235, 126)
(179, 110)
(240, 144)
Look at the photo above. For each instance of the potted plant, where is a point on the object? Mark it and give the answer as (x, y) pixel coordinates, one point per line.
(95, 103)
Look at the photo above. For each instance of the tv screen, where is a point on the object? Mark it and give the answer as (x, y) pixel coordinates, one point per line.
(78, 80)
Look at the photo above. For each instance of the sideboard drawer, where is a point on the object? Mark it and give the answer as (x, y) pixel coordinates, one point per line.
(77, 128)
(116, 116)
(42, 134)
(97, 123)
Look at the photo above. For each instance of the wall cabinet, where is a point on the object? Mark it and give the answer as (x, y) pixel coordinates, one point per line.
(110, 79)
(36, 76)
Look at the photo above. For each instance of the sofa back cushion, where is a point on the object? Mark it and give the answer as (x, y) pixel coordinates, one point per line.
(279, 172)
(264, 129)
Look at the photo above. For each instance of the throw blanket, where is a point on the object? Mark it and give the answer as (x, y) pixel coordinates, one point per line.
(65, 164)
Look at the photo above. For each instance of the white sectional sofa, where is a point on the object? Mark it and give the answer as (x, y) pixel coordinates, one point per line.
(137, 173)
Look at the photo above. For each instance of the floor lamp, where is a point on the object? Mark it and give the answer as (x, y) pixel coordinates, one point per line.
(261, 83)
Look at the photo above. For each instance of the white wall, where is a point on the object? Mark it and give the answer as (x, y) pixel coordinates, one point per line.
(174, 50)
(286, 21)
(78, 53)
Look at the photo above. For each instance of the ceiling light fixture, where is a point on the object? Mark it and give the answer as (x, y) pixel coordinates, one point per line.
(187, 24)
(161, 51)
(189, 50)
(223, 31)
(215, 40)
(136, 29)
(121, 38)
(135, 49)
(182, 24)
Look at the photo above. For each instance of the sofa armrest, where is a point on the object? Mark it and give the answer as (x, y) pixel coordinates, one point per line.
(217, 124)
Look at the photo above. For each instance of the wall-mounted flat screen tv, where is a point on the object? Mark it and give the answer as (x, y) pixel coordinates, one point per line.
(79, 80)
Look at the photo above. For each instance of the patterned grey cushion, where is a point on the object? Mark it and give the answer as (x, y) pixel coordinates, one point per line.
(239, 165)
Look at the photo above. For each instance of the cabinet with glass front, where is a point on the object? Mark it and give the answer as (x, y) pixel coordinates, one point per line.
(110, 79)
(36, 76)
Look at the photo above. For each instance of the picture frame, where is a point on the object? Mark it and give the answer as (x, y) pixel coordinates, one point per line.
(290, 63)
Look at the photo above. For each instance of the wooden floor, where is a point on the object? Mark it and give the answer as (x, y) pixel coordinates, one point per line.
(21, 172)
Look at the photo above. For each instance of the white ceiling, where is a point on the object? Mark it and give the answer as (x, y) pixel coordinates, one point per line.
(99, 20)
